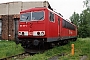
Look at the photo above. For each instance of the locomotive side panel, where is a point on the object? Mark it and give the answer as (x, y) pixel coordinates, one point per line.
(68, 30)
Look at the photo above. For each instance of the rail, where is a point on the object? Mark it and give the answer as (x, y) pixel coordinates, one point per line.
(19, 56)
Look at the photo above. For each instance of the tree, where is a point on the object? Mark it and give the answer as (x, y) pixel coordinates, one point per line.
(86, 3)
(82, 21)
(85, 18)
(75, 18)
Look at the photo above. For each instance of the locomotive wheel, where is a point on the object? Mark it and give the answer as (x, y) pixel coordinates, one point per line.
(74, 39)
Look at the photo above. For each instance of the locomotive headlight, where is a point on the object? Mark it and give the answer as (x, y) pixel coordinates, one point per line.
(42, 33)
(23, 33)
(38, 33)
(19, 33)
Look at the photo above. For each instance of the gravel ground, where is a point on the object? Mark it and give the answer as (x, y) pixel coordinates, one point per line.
(84, 57)
(54, 58)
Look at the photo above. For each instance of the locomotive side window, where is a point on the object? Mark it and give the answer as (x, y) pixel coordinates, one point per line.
(68, 25)
(51, 17)
(64, 23)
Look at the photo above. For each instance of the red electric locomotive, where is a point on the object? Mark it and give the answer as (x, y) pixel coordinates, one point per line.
(41, 27)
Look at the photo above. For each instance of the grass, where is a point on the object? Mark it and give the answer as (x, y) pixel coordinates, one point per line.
(9, 48)
(82, 47)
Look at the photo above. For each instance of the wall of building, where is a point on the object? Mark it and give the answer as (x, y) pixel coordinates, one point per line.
(15, 7)
(7, 27)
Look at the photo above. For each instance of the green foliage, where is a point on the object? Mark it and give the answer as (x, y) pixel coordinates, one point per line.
(82, 21)
(86, 3)
(9, 48)
(75, 18)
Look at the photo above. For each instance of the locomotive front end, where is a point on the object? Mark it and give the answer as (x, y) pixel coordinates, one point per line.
(32, 24)
(31, 31)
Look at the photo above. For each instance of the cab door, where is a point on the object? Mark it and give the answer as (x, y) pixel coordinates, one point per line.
(58, 26)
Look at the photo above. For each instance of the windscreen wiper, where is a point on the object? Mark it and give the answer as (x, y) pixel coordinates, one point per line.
(41, 18)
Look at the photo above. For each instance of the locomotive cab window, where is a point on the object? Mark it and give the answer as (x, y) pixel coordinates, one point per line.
(51, 16)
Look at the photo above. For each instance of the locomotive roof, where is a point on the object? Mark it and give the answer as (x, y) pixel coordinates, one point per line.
(42, 8)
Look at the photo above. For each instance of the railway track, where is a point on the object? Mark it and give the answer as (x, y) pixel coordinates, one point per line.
(57, 56)
(16, 57)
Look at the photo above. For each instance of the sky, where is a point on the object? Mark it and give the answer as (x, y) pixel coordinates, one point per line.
(65, 7)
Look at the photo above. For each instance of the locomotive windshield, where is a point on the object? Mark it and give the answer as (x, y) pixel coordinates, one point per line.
(25, 17)
(38, 15)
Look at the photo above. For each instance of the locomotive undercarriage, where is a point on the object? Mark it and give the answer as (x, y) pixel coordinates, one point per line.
(33, 45)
